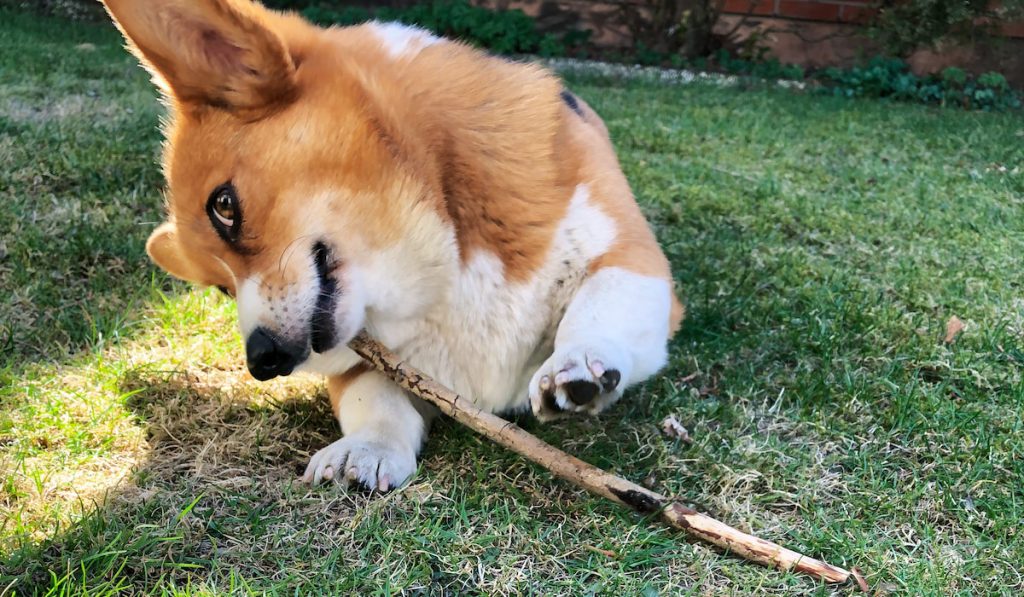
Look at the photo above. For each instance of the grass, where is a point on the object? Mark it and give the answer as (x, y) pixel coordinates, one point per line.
(822, 244)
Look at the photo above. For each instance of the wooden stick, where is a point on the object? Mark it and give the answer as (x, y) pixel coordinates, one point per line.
(591, 478)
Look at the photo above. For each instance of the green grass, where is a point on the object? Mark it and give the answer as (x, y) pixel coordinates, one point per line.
(821, 245)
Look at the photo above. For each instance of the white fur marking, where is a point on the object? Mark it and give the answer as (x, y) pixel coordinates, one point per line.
(619, 320)
(486, 336)
(285, 311)
(626, 309)
(399, 285)
(333, 362)
(403, 41)
(251, 305)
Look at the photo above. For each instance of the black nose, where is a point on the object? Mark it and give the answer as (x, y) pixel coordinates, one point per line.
(267, 356)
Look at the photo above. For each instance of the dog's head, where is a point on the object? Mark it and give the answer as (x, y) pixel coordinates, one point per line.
(281, 174)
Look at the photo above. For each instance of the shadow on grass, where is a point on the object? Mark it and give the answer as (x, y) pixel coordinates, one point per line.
(215, 498)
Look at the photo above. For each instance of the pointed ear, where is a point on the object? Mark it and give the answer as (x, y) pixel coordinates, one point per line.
(219, 53)
(164, 250)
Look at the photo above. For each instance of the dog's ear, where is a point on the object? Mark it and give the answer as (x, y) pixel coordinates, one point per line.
(219, 53)
(165, 251)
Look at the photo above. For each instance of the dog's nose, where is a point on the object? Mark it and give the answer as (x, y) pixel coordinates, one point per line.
(267, 356)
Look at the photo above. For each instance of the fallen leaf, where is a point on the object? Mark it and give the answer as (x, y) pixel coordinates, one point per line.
(859, 578)
(650, 481)
(420, 493)
(673, 428)
(605, 552)
(953, 327)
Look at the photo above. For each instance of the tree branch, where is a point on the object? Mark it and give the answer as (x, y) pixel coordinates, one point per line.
(591, 478)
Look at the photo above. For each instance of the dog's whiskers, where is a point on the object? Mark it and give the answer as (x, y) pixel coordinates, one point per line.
(281, 262)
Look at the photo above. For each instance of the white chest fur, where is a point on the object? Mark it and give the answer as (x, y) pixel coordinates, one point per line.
(487, 335)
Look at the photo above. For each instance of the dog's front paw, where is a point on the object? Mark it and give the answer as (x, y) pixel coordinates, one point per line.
(577, 380)
(372, 463)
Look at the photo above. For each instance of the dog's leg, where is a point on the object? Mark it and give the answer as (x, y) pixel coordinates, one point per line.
(613, 334)
(383, 430)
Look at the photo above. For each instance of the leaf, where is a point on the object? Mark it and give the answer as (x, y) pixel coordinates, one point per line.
(858, 577)
(671, 427)
(953, 327)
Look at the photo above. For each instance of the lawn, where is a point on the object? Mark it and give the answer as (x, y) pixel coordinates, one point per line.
(821, 246)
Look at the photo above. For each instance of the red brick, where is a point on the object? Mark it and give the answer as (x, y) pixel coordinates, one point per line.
(1012, 29)
(742, 7)
(857, 14)
(809, 10)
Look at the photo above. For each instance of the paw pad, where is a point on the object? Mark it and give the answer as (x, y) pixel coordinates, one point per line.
(574, 381)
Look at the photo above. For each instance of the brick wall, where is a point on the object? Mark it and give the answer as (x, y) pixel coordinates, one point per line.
(853, 12)
(813, 33)
(818, 33)
(845, 11)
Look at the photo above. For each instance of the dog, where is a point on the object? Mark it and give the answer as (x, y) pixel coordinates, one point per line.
(466, 210)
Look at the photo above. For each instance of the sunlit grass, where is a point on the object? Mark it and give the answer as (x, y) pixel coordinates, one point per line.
(821, 245)
(72, 434)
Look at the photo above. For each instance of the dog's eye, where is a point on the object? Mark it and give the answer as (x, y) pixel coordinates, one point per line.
(224, 211)
(224, 208)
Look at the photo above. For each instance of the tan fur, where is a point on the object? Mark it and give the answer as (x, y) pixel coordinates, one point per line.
(276, 106)
(223, 53)
(636, 248)
(489, 144)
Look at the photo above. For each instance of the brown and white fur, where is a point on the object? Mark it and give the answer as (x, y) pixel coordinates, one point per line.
(464, 209)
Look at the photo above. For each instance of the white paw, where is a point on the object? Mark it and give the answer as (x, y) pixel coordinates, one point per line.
(372, 463)
(577, 380)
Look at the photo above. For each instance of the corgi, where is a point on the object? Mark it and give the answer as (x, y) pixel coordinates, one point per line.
(466, 210)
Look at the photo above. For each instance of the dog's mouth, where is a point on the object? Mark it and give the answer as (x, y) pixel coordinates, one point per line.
(323, 331)
(271, 353)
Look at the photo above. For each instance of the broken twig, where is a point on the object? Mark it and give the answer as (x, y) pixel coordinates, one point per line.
(589, 477)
